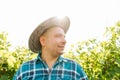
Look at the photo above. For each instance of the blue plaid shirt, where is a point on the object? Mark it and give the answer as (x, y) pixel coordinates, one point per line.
(63, 69)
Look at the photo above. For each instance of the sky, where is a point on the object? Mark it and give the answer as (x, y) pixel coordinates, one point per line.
(89, 18)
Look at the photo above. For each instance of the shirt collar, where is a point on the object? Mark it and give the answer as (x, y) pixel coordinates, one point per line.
(39, 59)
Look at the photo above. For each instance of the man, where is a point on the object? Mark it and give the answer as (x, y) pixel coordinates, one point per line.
(48, 40)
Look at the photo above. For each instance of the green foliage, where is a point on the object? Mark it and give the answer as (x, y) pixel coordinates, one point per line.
(4, 44)
(100, 59)
(11, 60)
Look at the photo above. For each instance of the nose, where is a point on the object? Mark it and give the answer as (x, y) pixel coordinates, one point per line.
(64, 40)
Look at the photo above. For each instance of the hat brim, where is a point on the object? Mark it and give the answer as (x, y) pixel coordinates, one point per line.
(34, 43)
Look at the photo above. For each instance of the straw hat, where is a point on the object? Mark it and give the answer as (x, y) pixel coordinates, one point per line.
(34, 43)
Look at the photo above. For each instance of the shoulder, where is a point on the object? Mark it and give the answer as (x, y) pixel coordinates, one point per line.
(74, 64)
(26, 65)
(76, 67)
(70, 61)
(23, 69)
(29, 62)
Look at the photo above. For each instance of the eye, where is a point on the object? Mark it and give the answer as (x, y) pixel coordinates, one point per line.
(58, 35)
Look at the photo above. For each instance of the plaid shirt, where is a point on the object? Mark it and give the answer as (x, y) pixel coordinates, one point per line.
(63, 69)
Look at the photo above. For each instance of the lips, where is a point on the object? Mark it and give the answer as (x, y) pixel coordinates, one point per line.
(62, 47)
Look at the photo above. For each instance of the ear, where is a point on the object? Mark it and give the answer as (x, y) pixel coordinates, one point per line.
(42, 40)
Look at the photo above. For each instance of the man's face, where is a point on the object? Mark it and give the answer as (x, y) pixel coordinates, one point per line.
(54, 40)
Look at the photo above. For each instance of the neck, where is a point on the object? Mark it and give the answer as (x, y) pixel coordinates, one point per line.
(49, 59)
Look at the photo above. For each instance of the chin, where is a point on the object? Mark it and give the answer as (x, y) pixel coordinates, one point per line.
(60, 53)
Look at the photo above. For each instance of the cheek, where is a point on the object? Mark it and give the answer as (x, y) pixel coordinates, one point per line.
(51, 42)
(57, 40)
